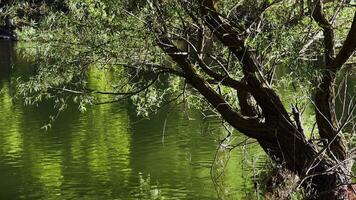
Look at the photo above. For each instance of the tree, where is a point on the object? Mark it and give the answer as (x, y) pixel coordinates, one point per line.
(224, 53)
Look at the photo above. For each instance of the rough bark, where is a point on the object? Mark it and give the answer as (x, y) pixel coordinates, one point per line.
(325, 94)
(286, 135)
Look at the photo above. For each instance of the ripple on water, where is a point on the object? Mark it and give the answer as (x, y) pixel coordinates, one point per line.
(106, 153)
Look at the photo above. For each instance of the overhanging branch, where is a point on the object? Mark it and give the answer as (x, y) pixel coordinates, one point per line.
(250, 126)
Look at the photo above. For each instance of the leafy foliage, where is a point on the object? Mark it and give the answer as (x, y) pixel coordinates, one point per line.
(111, 39)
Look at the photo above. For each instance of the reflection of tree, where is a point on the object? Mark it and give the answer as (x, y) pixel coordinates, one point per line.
(165, 159)
(87, 150)
(11, 134)
(95, 150)
(7, 58)
(185, 157)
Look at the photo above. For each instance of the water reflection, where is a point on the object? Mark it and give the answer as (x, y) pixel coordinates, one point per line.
(109, 153)
(7, 57)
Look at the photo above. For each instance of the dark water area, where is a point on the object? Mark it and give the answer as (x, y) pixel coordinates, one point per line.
(108, 152)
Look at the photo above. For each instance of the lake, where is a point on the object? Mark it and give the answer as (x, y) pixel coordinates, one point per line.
(108, 152)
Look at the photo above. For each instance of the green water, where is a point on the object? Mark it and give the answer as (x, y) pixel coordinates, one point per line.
(110, 153)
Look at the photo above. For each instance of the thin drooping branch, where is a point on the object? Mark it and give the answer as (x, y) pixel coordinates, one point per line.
(122, 94)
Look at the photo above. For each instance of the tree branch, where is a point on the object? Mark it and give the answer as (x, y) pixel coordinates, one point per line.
(266, 98)
(348, 48)
(226, 33)
(325, 93)
(318, 15)
(250, 126)
(225, 80)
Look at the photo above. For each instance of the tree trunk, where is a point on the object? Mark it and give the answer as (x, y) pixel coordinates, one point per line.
(262, 115)
(326, 117)
(290, 148)
(320, 176)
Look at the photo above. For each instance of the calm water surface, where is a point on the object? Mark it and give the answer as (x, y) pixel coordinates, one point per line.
(109, 153)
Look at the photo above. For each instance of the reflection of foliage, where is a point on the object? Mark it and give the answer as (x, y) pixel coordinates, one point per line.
(252, 162)
(147, 191)
(90, 51)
